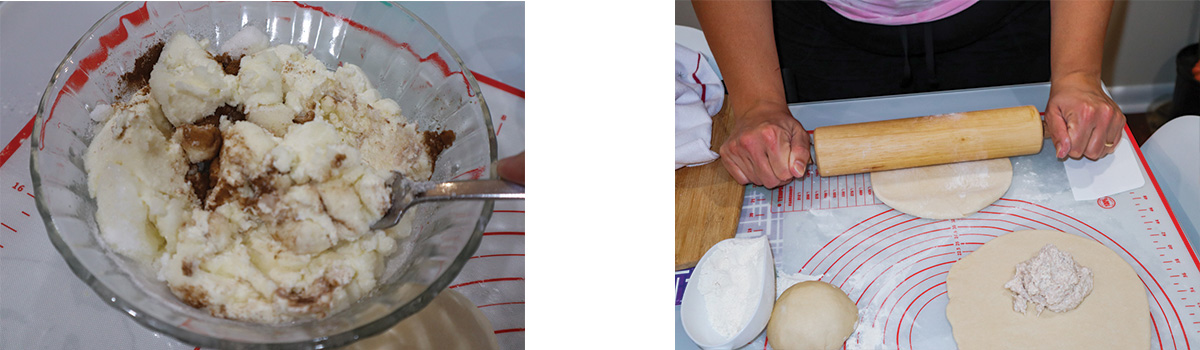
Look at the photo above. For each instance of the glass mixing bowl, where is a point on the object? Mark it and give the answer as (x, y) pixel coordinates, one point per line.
(405, 60)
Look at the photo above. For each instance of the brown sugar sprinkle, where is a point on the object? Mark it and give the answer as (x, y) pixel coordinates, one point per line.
(299, 297)
(305, 117)
(221, 192)
(338, 159)
(200, 176)
(437, 141)
(140, 75)
(228, 63)
(192, 295)
(235, 113)
(187, 268)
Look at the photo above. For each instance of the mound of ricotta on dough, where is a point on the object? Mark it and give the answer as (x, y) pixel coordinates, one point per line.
(1051, 280)
(249, 181)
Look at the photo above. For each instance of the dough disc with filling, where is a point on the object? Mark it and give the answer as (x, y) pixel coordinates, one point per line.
(946, 191)
(1116, 315)
(811, 315)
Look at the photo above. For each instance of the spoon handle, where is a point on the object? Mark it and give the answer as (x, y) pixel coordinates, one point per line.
(472, 189)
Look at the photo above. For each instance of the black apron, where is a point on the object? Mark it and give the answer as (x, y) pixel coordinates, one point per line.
(825, 56)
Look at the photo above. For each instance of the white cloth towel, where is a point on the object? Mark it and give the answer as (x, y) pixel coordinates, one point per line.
(698, 96)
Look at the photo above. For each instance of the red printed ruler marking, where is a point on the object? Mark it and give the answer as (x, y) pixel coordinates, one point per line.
(757, 217)
(503, 118)
(762, 210)
(17, 188)
(814, 192)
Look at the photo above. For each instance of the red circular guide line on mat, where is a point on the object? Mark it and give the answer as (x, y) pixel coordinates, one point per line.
(867, 249)
(1080, 231)
(1041, 216)
(497, 255)
(899, 299)
(839, 246)
(884, 249)
(914, 322)
(1127, 253)
(889, 267)
(885, 299)
(488, 281)
(855, 246)
(843, 232)
(1155, 296)
(498, 304)
(501, 331)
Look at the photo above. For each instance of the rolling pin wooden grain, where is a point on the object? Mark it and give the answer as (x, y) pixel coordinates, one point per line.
(920, 141)
(708, 201)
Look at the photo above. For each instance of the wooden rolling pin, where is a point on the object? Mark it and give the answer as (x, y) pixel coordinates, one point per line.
(929, 140)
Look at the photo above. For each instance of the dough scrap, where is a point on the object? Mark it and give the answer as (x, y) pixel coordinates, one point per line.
(946, 191)
(812, 315)
(1116, 315)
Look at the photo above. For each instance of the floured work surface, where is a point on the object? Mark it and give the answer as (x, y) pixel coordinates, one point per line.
(894, 266)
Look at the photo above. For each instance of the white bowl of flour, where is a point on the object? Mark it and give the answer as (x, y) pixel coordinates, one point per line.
(731, 292)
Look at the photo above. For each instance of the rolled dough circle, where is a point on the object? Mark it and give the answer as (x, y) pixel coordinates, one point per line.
(946, 191)
(1116, 315)
(811, 315)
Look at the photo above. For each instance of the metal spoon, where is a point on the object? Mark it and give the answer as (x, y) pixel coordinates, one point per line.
(406, 193)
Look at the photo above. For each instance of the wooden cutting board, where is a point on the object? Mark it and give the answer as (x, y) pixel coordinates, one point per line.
(707, 201)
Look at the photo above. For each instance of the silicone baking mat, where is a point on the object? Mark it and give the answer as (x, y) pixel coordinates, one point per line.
(894, 266)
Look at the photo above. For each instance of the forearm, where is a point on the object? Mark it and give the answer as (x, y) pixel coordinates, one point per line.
(1077, 30)
(742, 40)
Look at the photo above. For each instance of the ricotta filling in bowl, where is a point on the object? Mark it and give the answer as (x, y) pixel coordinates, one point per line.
(248, 180)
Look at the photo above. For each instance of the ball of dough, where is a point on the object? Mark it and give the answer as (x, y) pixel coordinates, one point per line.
(811, 315)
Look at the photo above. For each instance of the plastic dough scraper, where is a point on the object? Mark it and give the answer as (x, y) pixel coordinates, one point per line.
(1115, 173)
(959, 137)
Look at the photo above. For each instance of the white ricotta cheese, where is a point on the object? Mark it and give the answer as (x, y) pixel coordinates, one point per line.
(1051, 280)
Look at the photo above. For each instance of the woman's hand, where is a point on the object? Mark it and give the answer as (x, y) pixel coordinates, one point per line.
(767, 147)
(512, 168)
(1081, 119)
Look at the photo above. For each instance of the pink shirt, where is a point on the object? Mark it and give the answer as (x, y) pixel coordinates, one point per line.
(898, 12)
